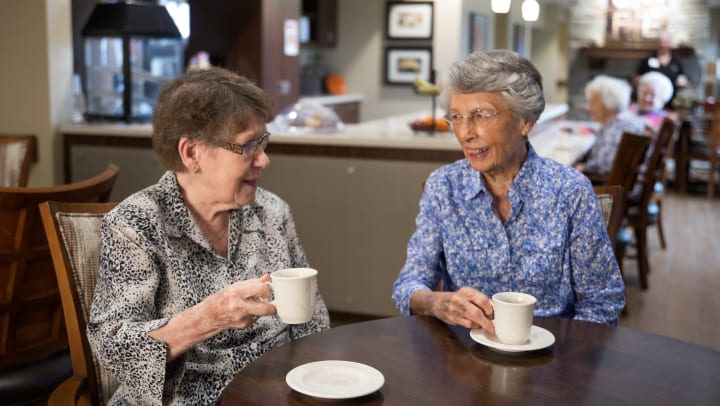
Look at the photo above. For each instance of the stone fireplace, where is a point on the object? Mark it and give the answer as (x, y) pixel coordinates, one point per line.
(596, 46)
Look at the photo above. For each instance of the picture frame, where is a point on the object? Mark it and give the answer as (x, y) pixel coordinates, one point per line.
(403, 65)
(479, 37)
(409, 20)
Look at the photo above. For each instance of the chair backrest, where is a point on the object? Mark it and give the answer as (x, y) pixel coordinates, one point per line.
(30, 309)
(611, 200)
(655, 162)
(627, 162)
(17, 152)
(73, 233)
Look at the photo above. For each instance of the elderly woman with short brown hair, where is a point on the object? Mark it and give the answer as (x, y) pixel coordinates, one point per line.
(179, 306)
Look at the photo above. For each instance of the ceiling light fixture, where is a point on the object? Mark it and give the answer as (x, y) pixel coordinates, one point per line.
(530, 10)
(500, 6)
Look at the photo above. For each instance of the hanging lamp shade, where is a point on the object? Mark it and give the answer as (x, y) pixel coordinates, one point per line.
(500, 6)
(530, 10)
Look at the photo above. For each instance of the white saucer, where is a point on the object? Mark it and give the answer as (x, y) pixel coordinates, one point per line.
(539, 339)
(335, 379)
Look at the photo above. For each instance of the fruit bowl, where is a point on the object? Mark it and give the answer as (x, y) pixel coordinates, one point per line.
(426, 124)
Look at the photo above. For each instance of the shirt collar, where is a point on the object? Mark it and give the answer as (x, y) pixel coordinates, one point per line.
(474, 184)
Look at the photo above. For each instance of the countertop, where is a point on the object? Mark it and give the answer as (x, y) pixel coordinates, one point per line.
(391, 132)
(328, 99)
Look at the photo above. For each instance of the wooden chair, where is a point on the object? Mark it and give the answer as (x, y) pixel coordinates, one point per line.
(700, 145)
(627, 163)
(73, 233)
(611, 204)
(32, 332)
(624, 172)
(640, 214)
(17, 153)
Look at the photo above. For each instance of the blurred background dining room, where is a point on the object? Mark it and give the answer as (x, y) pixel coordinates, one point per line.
(354, 86)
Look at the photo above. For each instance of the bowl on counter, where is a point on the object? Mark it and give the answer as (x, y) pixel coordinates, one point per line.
(426, 124)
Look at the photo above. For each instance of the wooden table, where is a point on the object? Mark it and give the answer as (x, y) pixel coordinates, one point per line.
(425, 362)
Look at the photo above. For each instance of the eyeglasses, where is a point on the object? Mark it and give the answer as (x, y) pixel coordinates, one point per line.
(476, 117)
(248, 148)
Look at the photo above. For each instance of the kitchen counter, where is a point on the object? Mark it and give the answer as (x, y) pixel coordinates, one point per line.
(392, 132)
(328, 100)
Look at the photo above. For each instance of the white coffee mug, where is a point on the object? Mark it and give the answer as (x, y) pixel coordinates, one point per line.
(294, 290)
(513, 316)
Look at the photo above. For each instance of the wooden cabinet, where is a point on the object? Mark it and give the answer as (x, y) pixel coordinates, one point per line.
(321, 18)
(247, 37)
(354, 217)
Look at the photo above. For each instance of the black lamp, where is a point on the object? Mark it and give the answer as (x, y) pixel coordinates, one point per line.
(129, 51)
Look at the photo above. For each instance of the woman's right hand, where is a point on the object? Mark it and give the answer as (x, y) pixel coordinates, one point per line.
(235, 306)
(240, 304)
(466, 307)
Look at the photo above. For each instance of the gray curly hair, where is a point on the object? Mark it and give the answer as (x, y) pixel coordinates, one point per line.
(498, 71)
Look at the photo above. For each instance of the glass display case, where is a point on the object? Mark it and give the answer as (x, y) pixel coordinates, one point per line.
(130, 50)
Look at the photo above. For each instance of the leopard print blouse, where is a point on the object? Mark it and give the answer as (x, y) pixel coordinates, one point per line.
(155, 262)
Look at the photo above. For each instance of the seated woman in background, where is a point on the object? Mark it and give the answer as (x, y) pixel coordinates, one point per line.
(179, 303)
(607, 102)
(653, 92)
(505, 218)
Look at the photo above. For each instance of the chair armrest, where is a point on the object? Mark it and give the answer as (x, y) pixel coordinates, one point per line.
(70, 392)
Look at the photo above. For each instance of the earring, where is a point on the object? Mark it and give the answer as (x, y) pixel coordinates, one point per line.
(196, 169)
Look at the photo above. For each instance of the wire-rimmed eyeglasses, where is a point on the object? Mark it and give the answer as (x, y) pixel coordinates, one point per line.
(248, 148)
(478, 116)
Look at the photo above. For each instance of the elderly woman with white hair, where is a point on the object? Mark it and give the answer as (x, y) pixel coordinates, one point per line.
(654, 90)
(504, 218)
(607, 102)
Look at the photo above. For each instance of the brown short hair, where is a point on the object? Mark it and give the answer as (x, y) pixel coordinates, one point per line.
(204, 104)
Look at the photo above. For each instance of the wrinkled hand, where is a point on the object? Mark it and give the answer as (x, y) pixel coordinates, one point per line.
(240, 304)
(466, 307)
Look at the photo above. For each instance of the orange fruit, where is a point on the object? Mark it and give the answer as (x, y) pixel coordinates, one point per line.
(441, 125)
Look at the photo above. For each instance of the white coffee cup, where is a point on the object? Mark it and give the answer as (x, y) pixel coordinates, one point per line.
(295, 291)
(513, 316)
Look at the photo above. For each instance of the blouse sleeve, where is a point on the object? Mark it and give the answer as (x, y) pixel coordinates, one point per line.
(596, 278)
(120, 317)
(423, 266)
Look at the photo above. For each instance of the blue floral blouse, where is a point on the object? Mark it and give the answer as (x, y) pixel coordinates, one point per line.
(553, 246)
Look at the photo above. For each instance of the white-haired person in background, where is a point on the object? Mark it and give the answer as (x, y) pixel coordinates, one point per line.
(608, 99)
(654, 90)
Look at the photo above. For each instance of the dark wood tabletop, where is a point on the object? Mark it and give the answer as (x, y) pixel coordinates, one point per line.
(426, 362)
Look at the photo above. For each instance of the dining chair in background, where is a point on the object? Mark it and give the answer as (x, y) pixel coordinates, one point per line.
(611, 206)
(624, 172)
(73, 233)
(17, 153)
(699, 143)
(641, 211)
(34, 356)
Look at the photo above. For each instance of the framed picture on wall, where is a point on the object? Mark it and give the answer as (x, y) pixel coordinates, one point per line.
(409, 20)
(480, 38)
(403, 65)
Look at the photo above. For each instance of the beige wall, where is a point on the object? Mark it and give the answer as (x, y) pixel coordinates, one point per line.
(359, 54)
(35, 75)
